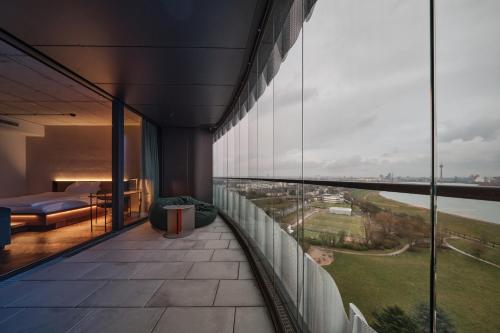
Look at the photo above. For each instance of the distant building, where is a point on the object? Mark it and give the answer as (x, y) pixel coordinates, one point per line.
(340, 211)
(333, 198)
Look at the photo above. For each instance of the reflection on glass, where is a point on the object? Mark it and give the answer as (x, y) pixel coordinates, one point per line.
(138, 189)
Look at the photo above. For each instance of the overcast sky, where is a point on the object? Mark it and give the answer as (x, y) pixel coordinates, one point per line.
(366, 93)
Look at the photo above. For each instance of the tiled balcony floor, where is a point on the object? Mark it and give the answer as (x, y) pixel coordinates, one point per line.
(141, 282)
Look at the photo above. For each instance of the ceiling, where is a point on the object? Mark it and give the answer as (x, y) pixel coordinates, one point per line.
(179, 62)
(30, 87)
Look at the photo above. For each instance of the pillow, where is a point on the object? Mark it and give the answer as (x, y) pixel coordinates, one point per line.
(83, 187)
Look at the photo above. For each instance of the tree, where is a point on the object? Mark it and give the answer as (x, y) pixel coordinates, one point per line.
(387, 221)
(421, 317)
(341, 235)
(393, 319)
(368, 228)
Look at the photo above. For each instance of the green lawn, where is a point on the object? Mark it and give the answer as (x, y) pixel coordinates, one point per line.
(480, 229)
(467, 289)
(477, 249)
(333, 223)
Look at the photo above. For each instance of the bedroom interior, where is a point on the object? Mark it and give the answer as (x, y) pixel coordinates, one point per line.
(56, 162)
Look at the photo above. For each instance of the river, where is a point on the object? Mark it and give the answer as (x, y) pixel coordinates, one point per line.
(488, 211)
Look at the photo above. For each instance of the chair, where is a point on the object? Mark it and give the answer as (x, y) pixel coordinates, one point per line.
(103, 200)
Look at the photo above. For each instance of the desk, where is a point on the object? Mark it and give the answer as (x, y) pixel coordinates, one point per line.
(105, 201)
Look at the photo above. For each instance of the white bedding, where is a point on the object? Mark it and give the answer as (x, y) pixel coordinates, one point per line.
(45, 202)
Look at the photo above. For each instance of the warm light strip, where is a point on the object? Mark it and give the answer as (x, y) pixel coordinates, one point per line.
(70, 211)
(76, 210)
(85, 179)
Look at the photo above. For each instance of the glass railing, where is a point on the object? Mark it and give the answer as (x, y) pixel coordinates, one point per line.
(350, 259)
(310, 292)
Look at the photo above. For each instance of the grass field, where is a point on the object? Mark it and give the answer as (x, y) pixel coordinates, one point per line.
(467, 290)
(477, 249)
(332, 223)
(476, 228)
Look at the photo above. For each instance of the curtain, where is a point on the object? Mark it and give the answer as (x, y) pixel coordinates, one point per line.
(149, 162)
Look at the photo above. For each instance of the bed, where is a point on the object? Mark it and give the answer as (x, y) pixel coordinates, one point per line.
(68, 202)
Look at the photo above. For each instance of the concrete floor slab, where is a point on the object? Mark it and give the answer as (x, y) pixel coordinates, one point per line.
(214, 271)
(238, 293)
(185, 293)
(131, 293)
(161, 270)
(58, 294)
(43, 320)
(123, 320)
(229, 255)
(252, 319)
(197, 319)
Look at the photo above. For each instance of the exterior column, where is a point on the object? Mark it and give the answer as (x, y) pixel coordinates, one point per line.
(117, 164)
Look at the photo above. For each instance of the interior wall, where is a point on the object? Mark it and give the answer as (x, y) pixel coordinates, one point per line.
(76, 152)
(12, 163)
(187, 162)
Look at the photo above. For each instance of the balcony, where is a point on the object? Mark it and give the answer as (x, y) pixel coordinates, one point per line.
(138, 281)
(351, 148)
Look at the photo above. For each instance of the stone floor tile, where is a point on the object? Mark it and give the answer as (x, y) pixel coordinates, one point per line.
(227, 235)
(245, 272)
(42, 320)
(229, 255)
(205, 235)
(197, 319)
(58, 294)
(123, 320)
(214, 270)
(6, 313)
(182, 244)
(215, 244)
(222, 229)
(185, 293)
(134, 244)
(13, 291)
(90, 255)
(131, 293)
(161, 270)
(162, 255)
(238, 293)
(233, 244)
(252, 319)
(198, 255)
(121, 256)
(62, 271)
(111, 271)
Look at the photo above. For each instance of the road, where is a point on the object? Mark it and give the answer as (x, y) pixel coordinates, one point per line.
(445, 241)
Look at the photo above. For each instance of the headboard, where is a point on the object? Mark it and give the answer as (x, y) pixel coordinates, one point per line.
(61, 185)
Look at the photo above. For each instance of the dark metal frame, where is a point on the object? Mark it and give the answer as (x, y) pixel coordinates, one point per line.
(487, 193)
(118, 142)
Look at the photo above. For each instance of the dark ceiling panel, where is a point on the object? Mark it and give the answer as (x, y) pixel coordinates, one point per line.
(176, 61)
(197, 115)
(172, 23)
(170, 95)
(152, 65)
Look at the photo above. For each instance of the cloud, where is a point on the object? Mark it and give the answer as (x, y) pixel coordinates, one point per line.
(485, 129)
